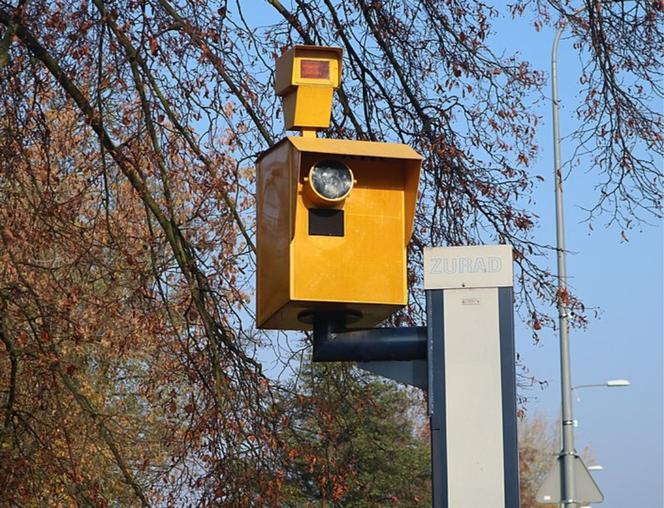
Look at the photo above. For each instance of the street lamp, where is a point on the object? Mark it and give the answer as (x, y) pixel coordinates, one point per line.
(611, 383)
(568, 454)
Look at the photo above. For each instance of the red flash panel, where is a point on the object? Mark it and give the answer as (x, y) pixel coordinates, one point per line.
(314, 69)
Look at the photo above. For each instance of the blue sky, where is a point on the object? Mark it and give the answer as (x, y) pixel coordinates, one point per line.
(622, 426)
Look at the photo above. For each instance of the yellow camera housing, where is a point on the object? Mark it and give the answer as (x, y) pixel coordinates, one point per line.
(305, 78)
(346, 255)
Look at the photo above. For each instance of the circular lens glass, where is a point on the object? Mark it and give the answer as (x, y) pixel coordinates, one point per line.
(331, 179)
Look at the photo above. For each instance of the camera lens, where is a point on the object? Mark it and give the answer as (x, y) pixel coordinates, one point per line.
(331, 179)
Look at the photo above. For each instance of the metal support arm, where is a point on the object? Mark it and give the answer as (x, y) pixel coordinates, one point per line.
(333, 343)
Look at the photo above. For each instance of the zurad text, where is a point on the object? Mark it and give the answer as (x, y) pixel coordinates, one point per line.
(440, 266)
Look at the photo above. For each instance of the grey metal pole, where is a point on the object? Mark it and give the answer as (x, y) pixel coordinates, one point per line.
(568, 452)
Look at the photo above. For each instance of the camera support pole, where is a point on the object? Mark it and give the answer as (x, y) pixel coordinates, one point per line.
(464, 359)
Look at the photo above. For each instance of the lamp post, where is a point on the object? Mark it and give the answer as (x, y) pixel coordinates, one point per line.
(611, 383)
(567, 453)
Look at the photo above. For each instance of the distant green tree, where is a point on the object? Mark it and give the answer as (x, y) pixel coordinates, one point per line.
(354, 441)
